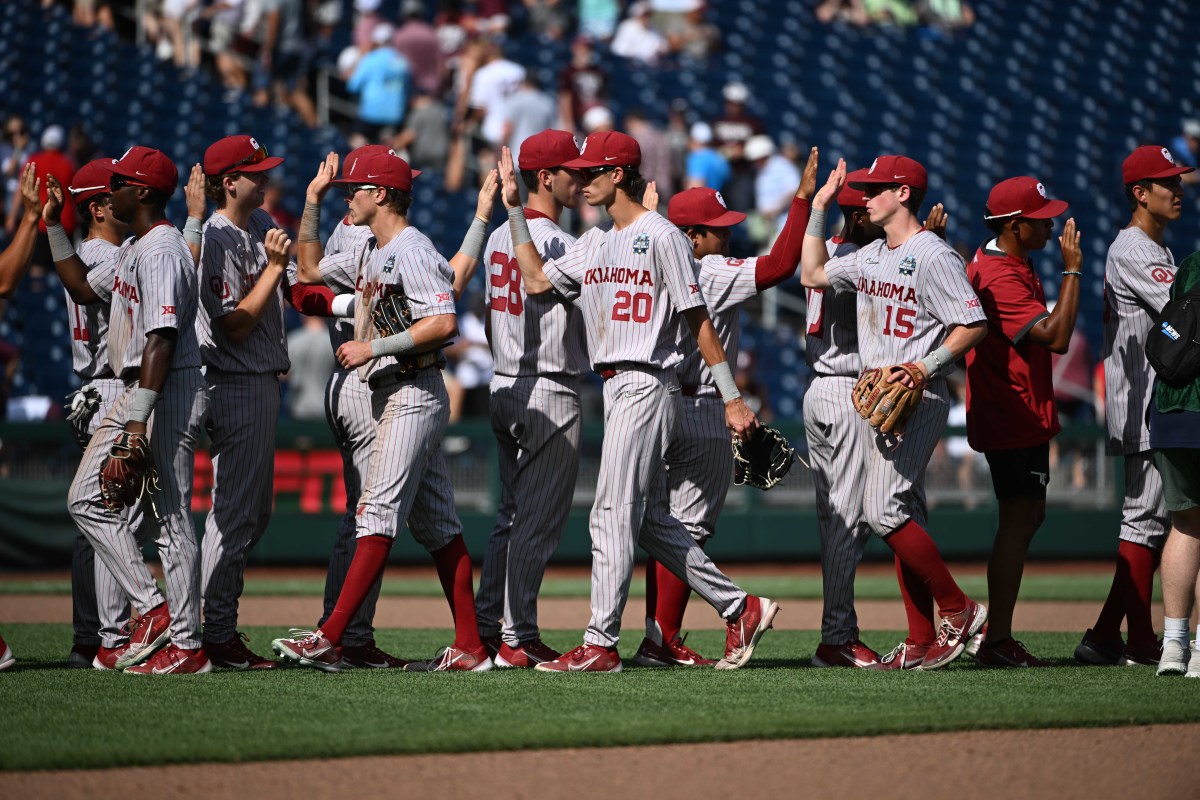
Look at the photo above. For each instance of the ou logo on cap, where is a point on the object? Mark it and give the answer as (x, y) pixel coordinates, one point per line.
(1042, 190)
(873, 163)
(1167, 155)
(584, 147)
(720, 199)
(253, 142)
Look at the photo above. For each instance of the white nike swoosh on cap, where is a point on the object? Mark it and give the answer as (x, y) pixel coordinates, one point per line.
(584, 665)
(372, 176)
(899, 176)
(136, 172)
(610, 158)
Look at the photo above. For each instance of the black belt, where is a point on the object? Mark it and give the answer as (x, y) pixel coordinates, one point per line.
(393, 378)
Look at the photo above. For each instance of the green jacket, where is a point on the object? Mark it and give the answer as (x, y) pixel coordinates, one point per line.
(1186, 398)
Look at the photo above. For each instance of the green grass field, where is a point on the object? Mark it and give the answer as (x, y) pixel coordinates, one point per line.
(57, 718)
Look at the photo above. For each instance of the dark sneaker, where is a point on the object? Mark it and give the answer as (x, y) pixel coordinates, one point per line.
(1009, 653)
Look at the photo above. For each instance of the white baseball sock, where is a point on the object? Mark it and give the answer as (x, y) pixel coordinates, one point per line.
(1177, 629)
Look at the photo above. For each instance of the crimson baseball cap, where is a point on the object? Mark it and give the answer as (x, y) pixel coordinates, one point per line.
(701, 206)
(1022, 197)
(1151, 161)
(146, 166)
(91, 180)
(851, 196)
(547, 150)
(608, 149)
(377, 165)
(900, 170)
(238, 154)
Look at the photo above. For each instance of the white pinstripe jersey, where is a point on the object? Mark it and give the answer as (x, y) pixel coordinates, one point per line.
(1137, 284)
(631, 285)
(539, 335)
(410, 264)
(726, 283)
(89, 324)
(908, 297)
(156, 286)
(831, 334)
(344, 253)
(231, 262)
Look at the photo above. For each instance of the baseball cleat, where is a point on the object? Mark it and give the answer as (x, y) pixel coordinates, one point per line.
(234, 654)
(1175, 658)
(905, 655)
(452, 659)
(1098, 651)
(368, 656)
(147, 635)
(585, 658)
(7, 659)
(956, 630)
(174, 660)
(1008, 653)
(309, 649)
(528, 654)
(81, 656)
(854, 655)
(107, 657)
(1142, 655)
(672, 654)
(976, 641)
(743, 633)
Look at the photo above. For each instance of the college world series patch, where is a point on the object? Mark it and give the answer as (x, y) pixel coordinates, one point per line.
(641, 245)
(908, 266)
(390, 264)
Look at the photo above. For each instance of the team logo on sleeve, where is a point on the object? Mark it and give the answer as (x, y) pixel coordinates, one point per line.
(908, 266)
(390, 264)
(641, 245)
(972, 303)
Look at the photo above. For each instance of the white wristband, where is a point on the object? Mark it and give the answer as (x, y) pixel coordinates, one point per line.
(142, 405)
(61, 248)
(939, 361)
(399, 344)
(816, 223)
(343, 305)
(519, 226)
(723, 377)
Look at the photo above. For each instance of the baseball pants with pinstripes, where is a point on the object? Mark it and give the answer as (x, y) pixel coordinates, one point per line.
(348, 412)
(700, 465)
(537, 422)
(173, 429)
(837, 442)
(407, 480)
(641, 419)
(1144, 517)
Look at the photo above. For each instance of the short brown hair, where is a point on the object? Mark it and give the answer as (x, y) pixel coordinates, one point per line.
(632, 183)
(398, 200)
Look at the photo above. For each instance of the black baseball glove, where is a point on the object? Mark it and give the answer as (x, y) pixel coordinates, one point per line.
(392, 315)
(762, 460)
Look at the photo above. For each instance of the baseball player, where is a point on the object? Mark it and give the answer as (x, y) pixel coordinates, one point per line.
(635, 286)
(539, 354)
(16, 258)
(700, 461)
(154, 350)
(244, 349)
(406, 479)
(1138, 275)
(838, 441)
(914, 305)
(1011, 415)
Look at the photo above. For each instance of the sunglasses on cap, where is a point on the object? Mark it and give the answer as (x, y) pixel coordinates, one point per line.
(257, 157)
(697, 230)
(876, 189)
(355, 188)
(592, 172)
(120, 182)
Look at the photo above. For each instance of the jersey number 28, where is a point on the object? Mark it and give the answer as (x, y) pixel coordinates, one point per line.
(506, 283)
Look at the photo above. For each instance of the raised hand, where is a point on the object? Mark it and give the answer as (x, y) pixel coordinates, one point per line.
(808, 179)
(319, 185)
(937, 220)
(827, 193)
(52, 211)
(31, 190)
(193, 192)
(510, 193)
(487, 196)
(1071, 252)
(278, 246)
(650, 197)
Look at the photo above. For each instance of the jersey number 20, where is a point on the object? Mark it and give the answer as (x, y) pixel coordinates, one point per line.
(632, 306)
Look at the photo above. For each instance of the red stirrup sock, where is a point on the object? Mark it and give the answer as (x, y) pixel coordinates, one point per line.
(454, 570)
(918, 605)
(370, 558)
(914, 546)
(673, 596)
(1135, 571)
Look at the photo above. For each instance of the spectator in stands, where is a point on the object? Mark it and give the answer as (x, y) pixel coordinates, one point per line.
(1186, 149)
(583, 84)
(656, 152)
(224, 20)
(677, 135)
(492, 18)
(14, 151)
(312, 364)
(527, 112)
(284, 58)
(425, 141)
(492, 84)
(366, 19)
(90, 13)
(688, 33)
(945, 14)
(598, 118)
(731, 131)
(50, 160)
(454, 28)
(598, 18)
(418, 43)
(890, 12)
(705, 166)
(178, 17)
(850, 11)
(381, 80)
(547, 18)
(636, 39)
(774, 183)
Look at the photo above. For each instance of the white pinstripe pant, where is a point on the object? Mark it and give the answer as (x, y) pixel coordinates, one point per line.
(641, 419)
(837, 443)
(1144, 517)
(242, 411)
(537, 425)
(173, 429)
(700, 465)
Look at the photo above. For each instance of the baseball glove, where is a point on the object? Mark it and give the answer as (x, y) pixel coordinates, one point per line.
(81, 406)
(888, 406)
(392, 315)
(762, 460)
(128, 474)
